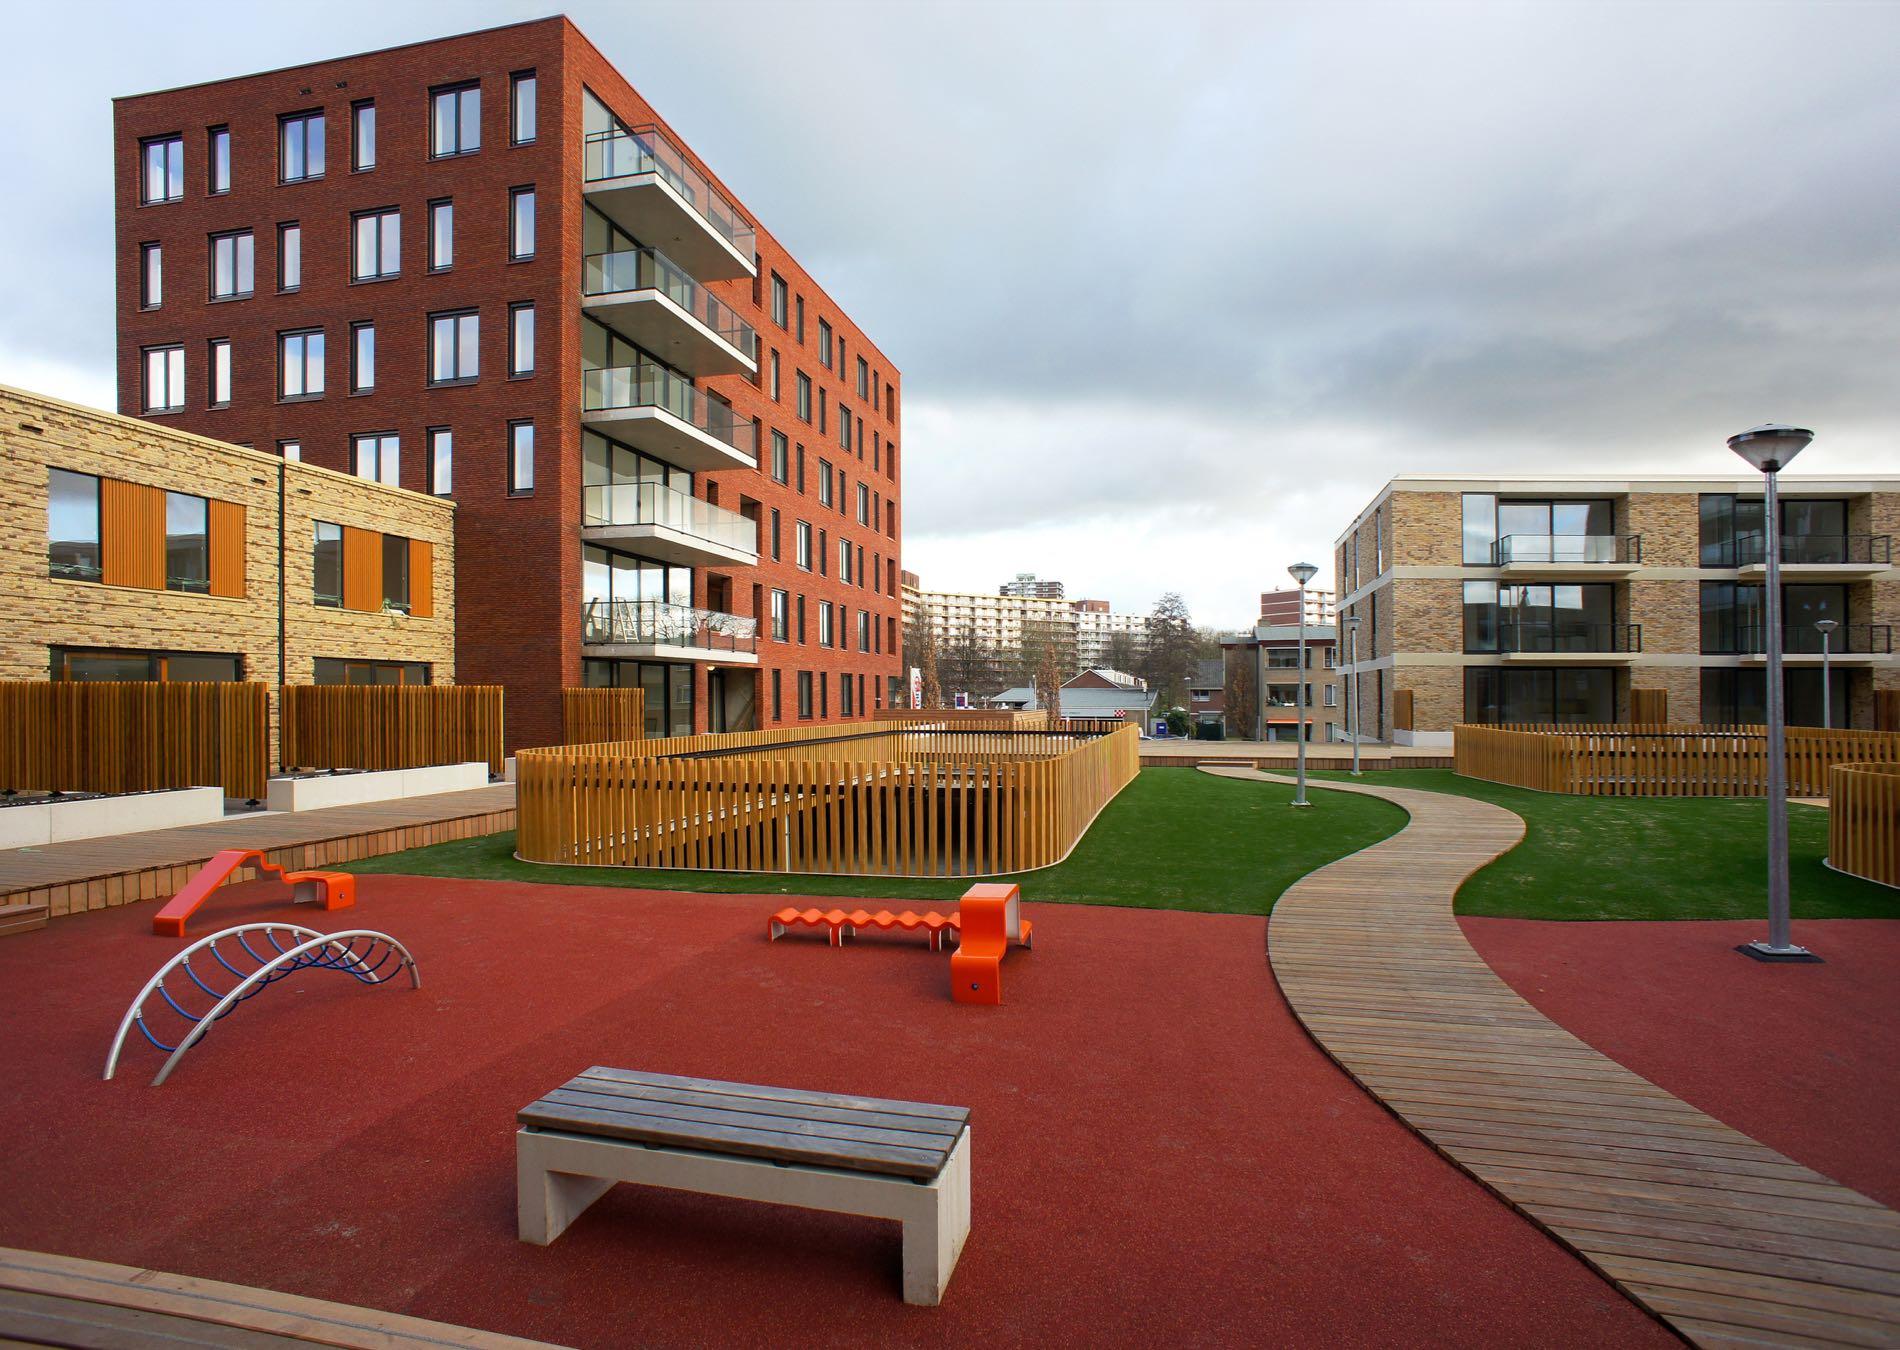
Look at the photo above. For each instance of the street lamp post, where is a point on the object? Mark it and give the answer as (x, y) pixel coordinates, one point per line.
(1770, 449)
(1352, 687)
(1302, 573)
(1826, 627)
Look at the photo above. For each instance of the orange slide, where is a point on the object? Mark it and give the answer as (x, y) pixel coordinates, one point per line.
(327, 890)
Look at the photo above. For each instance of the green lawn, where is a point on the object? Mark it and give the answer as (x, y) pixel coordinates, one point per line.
(1174, 839)
(1648, 857)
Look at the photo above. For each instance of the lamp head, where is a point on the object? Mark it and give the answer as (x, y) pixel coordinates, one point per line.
(1826, 626)
(1771, 447)
(1302, 572)
(1352, 623)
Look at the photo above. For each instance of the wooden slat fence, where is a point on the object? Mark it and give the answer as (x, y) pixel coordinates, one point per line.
(922, 812)
(79, 736)
(391, 726)
(1662, 761)
(593, 716)
(1863, 821)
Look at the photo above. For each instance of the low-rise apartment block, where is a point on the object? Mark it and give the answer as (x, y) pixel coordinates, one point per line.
(1606, 599)
(1000, 623)
(1261, 701)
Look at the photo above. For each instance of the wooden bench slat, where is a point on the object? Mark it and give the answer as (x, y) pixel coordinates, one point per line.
(696, 1116)
(930, 1129)
(959, 1114)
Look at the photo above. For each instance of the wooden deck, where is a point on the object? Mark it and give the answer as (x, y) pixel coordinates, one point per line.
(60, 1300)
(1725, 1240)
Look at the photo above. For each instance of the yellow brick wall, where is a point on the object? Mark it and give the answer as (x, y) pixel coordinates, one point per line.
(1427, 529)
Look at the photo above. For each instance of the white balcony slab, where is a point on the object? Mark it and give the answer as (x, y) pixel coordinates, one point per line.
(651, 318)
(667, 544)
(669, 437)
(652, 210)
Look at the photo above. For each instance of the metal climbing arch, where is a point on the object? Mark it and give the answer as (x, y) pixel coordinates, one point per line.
(358, 953)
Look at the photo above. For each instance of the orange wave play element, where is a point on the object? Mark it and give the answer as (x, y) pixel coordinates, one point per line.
(991, 919)
(843, 925)
(326, 890)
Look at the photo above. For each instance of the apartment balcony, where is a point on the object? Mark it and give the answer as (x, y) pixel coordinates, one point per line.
(1568, 557)
(645, 185)
(1541, 642)
(1817, 557)
(656, 630)
(652, 409)
(1851, 644)
(650, 299)
(664, 523)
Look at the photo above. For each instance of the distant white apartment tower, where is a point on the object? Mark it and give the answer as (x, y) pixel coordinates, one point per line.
(1028, 586)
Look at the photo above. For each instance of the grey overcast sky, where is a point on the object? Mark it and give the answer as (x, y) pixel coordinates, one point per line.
(1175, 288)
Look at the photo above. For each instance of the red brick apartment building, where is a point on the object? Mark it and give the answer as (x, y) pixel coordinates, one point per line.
(485, 267)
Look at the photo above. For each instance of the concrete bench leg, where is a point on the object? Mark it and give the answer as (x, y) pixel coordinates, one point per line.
(547, 1202)
(934, 1237)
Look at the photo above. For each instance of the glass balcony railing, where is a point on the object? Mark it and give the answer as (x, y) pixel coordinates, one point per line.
(661, 623)
(1569, 548)
(1867, 550)
(646, 269)
(657, 504)
(1530, 636)
(1804, 639)
(621, 154)
(614, 387)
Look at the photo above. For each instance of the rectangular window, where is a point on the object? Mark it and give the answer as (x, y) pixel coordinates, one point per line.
(164, 379)
(804, 396)
(521, 109)
(802, 556)
(441, 461)
(844, 427)
(376, 250)
(778, 706)
(521, 223)
(824, 344)
(396, 573)
(824, 623)
(798, 318)
(864, 630)
(378, 457)
(775, 535)
(781, 616)
(289, 256)
(455, 120)
(441, 235)
(864, 380)
(218, 160)
(72, 525)
(162, 176)
(804, 694)
(151, 276)
(844, 561)
(300, 364)
(801, 469)
(844, 696)
(781, 455)
(454, 347)
(218, 366)
(232, 265)
(821, 410)
(824, 482)
(779, 295)
(864, 504)
(520, 458)
(774, 385)
(363, 135)
(187, 543)
(521, 338)
(291, 450)
(326, 565)
(1480, 530)
(362, 357)
(300, 147)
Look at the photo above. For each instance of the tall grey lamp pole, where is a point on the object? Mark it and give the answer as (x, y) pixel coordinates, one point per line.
(1301, 572)
(1352, 687)
(1826, 627)
(1770, 449)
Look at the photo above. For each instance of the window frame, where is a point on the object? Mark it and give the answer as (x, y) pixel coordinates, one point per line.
(189, 585)
(317, 563)
(438, 444)
(151, 275)
(517, 81)
(173, 173)
(515, 198)
(217, 161)
(472, 341)
(441, 242)
(168, 350)
(301, 123)
(289, 246)
(455, 92)
(388, 457)
(382, 216)
(362, 134)
(77, 571)
(359, 329)
(218, 372)
(515, 477)
(518, 308)
(237, 239)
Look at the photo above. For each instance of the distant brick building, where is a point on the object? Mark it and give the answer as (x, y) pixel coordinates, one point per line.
(1283, 607)
(1261, 694)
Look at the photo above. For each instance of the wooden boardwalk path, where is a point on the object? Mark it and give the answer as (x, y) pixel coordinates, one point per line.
(1726, 1240)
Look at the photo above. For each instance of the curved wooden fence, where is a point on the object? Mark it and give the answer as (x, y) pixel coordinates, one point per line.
(878, 800)
(1863, 821)
(1659, 761)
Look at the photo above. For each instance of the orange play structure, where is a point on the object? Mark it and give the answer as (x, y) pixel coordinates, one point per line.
(326, 890)
(990, 920)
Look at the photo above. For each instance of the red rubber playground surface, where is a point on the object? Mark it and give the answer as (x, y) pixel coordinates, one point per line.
(1160, 1155)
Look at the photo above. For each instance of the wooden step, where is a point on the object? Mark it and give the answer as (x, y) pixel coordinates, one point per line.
(21, 918)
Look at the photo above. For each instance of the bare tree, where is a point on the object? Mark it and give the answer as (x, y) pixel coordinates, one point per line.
(1122, 652)
(1168, 661)
(927, 667)
(1049, 679)
(1242, 700)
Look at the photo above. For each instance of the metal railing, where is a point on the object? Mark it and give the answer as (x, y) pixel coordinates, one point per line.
(647, 269)
(1556, 636)
(1868, 550)
(653, 503)
(613, 387)
(662, 623)
(622, 154)
(1568, 548)
(1803, 639)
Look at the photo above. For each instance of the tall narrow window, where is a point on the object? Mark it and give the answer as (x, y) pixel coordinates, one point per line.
(362, 357)
(300, 147)
(775, 376)
(804, 395)
(218, 366)
(520, 458)
(441, 235)
(289, 256)
(187, 543)
(162, 169)
(233, 258)
(803, 556)
(521, 223)
(72, 525)
(844, 426)
(454, 347)
(291, 450)
(326, 565)
(521, 110)
(780, 299)
(151, 276)
(363, 135)
(824, 344)
(781, 457)
(824, 482)
(455, 120)
(521, 339)
(864, 380)
(164, 379)
(376, 249)
(798, 318)
(378, 457)
(300, 364)
(218, 155)
(396, 573)
(441, 461)
(781, 612)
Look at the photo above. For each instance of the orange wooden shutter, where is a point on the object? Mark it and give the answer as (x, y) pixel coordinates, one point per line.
(131, 534)
(362, 569)
(227, 548)
(421, 579)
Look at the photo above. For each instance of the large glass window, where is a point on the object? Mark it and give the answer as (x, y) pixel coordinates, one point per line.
(521, 339)
(300, 364)
(1814, 530)
(1480, 529)
(455, 120)
(72, 525)
(344, 670)
(376, 246)
(454, 347)
(1561, 618)
(1496, 694)
(162, 175)
(300, 147)
(233, 258)
(326, 565)
(187, 543)
(377, 456)
(164, 379)
(1555, 531)
(521, 109)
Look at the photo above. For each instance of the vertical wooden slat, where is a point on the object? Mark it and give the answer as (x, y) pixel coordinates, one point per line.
(131, 534)
(225, 526)
(362, 569)
(421, 579)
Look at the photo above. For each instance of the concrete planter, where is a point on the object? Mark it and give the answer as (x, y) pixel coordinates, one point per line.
(57, 822)
(354, 789)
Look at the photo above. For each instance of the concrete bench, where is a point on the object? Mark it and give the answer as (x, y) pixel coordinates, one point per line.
(849, 1155)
